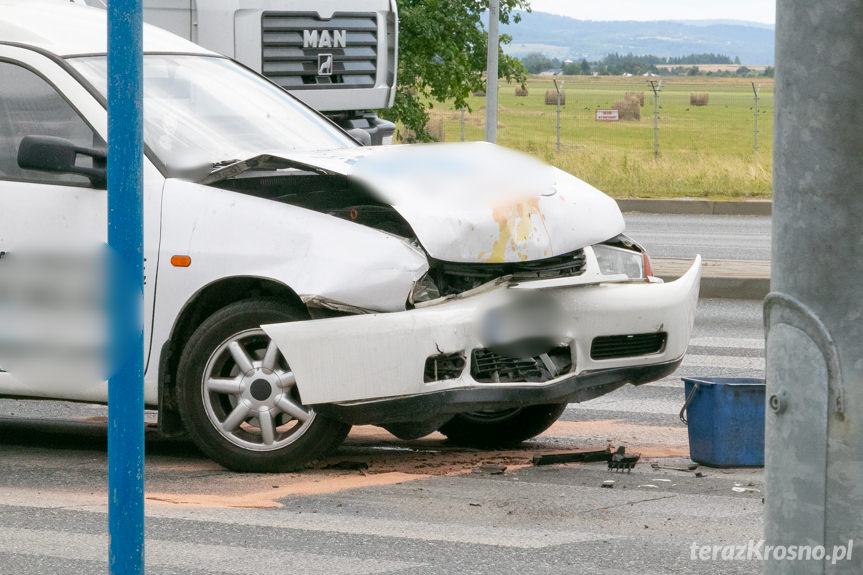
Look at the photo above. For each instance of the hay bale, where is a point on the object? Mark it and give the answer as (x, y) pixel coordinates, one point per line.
(628, 109)
(698, 98)
(437, 128)
(521, 92)
(551, 98)
(637, 95)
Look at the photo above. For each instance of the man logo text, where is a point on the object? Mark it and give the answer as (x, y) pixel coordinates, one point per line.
(325, 38)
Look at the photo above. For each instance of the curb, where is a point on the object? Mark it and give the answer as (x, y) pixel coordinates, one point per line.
(697, 207)
(722, 279)
(731, 287)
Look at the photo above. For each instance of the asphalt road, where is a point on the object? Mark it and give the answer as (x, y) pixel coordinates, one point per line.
(714, 237)
(420, 507)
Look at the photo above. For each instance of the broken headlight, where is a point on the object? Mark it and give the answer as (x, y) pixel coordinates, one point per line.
(616, 261)
(424, 290)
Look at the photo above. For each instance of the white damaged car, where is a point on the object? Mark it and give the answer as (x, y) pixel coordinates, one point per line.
(298, 283)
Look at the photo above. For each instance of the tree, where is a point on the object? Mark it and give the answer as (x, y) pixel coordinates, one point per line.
(443, 47)
(536, 62)
(585, 67)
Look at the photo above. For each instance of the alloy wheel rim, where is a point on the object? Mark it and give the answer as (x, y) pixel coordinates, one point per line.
(250, 394)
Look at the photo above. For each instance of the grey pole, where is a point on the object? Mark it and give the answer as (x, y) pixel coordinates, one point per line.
(656, 87)
(756, 90)
(814, 314)
(491, 74)
(558, 88)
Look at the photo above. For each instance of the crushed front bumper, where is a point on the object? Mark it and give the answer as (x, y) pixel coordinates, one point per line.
(373, 365)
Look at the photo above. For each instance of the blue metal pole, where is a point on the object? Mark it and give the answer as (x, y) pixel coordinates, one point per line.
(125, 236)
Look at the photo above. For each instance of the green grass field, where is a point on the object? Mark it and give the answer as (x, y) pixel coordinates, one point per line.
(704, 152)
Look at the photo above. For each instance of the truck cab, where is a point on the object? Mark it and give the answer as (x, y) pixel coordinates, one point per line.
(338, 57)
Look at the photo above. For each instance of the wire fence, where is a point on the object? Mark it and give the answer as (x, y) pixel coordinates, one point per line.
(710, 137)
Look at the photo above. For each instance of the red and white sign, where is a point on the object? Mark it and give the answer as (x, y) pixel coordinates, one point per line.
(607, 116)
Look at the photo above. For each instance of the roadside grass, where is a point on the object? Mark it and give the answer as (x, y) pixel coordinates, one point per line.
(704, 151)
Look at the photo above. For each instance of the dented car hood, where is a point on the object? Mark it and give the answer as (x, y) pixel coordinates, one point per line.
(476, 202)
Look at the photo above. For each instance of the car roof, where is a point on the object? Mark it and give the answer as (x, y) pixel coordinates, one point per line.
(66, 29)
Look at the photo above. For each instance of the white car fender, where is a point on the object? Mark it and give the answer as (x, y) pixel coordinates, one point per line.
(228, 235)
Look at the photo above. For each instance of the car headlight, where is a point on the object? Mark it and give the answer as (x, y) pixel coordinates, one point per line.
(424, 290)
(615, 261)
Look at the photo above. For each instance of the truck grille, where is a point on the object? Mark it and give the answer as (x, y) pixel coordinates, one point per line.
(291, 61)
(617, 346)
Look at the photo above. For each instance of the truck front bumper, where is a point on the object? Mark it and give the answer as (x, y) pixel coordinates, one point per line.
(374, 368)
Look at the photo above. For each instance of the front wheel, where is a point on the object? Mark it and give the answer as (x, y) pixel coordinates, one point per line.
(491, 429)
(238, 396)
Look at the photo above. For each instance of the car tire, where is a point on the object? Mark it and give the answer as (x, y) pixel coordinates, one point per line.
(238, 398)
(501, 428)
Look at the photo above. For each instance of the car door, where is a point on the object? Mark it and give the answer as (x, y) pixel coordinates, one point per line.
(53, 228)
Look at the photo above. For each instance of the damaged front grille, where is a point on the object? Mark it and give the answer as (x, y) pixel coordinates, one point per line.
(455, 278)
(488, 366)
(617, 346)
(444, 366)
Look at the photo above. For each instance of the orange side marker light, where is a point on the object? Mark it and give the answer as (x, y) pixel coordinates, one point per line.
(181, 261)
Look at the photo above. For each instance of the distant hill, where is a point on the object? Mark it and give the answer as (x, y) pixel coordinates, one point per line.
(562, 37)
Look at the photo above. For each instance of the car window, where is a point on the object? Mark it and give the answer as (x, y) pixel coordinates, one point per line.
(30, 106)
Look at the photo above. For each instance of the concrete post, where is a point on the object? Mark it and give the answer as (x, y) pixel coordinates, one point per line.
(491, 77)
(814, 315)
(558, 87)
(756, 90)
(656, 87)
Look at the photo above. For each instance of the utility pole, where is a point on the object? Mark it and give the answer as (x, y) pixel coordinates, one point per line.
(814, 314)
(756, 90)
(656, 87)
(126, 288)
(558, 88)
(491, 71)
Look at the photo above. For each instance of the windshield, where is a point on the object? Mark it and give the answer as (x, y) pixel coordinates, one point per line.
(202, 111)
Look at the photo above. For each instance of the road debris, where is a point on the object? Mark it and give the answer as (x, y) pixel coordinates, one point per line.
(491, 469)
(687, 469)
(608, 483)
(745, 490)
(574, 456)
(622, 461)
(348, 465)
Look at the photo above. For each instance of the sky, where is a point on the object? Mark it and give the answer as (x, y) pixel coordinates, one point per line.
(751, 10)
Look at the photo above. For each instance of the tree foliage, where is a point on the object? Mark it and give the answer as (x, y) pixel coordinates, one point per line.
(443, 46)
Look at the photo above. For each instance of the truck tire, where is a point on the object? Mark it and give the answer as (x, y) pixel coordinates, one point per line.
(507, 428)
(238, 398)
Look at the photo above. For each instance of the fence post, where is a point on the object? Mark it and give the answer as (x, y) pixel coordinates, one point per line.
(756, 90)
(558, 88)
(656, 87)
(461, 124)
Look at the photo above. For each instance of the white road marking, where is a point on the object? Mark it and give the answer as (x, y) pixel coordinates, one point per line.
(182, 554)
(732, 342)
(318, 522)
(726, 361)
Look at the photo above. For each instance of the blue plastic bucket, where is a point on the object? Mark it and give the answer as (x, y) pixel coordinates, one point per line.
(725, 417)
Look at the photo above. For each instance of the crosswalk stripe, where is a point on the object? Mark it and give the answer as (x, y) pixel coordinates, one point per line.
(318, 522)
(733, 342)
(723, 361)
(181, 554)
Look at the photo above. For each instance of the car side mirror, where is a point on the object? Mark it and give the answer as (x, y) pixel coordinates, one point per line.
(50, 154)
(361, 136)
